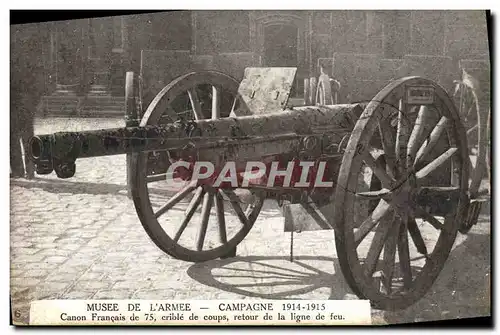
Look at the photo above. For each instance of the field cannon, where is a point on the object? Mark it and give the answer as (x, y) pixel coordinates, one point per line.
(379, 174)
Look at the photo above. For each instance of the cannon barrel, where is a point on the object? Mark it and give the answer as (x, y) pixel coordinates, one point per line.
(60, 150)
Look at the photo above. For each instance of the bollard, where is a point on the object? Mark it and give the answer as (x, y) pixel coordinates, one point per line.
(131, 120)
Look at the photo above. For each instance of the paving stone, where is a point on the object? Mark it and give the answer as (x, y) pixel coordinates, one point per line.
(24, 251)
(132, 284)
(55, 252)
(25, 281)
(23, 258)
(53, 286)
(36, 273)
(20, 244)
(39, 265)
(56, 259)
(16, 273)
(90, 276)
(70, 246)
(114, 294)
(83, 295)
(80, 260)
(91, 285)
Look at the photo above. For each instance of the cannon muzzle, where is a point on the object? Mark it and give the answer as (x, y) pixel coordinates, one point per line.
(59, 151)
(35, 147)
(39, 151)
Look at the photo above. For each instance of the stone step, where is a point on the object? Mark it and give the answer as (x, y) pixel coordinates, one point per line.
(88, 98)
(98, 86)
(86, 107)
(93, 104)
(97, 93)
(64, 93)
(89, 113)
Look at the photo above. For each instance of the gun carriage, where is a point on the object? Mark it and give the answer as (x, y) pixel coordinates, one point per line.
(397, 167)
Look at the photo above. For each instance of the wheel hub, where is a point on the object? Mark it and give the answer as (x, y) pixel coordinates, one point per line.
(403, 198)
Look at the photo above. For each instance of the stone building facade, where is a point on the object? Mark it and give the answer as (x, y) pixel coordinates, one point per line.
(86, 60)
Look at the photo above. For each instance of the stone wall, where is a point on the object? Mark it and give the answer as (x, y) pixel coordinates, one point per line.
(362, 76)
(160, 67)
(397, 44)
(221, 32)
(466, 35)
(30, 65)
(229, 41)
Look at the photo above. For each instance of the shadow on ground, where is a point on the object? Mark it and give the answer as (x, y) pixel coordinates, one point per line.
(249, 275)
(462, 290)
(63, 186)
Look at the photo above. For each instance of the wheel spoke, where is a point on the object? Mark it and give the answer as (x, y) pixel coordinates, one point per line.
(378, 169)
(176, 198)
(219, 205)
(416, 236)
(193, 205)
(416, 135)
(388, 146)
(233, 200)
(156, 177)
(382, 209)
(404, 254)
(436, 163)
(389, 256)
(429, 144)
(402, 136)
(195, 104)
(205, 216)
(377, 244)
(216, 97)
(169, 113)
(374, 195)
(472, 129)
(422, 213)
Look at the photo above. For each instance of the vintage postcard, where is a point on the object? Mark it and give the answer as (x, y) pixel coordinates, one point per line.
(308, 167)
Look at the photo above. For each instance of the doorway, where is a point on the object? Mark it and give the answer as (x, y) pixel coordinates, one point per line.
(68, 43)
(280, 45)
(280, 49)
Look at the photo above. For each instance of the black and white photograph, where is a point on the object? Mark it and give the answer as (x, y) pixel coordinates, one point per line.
(292, 157)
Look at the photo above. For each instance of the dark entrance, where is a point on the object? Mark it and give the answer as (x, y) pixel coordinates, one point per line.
(280, 49)
(280, 45)
(68, 49)
(98, 65)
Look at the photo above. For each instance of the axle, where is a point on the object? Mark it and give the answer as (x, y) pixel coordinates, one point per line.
(303, 128)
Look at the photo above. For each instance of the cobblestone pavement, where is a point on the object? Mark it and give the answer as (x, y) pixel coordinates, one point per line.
(81, 239)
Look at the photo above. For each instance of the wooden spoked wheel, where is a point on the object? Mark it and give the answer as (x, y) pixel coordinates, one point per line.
(474, 111)
(327, 91)
(324, 91)
(190, 222)
(393, 254)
